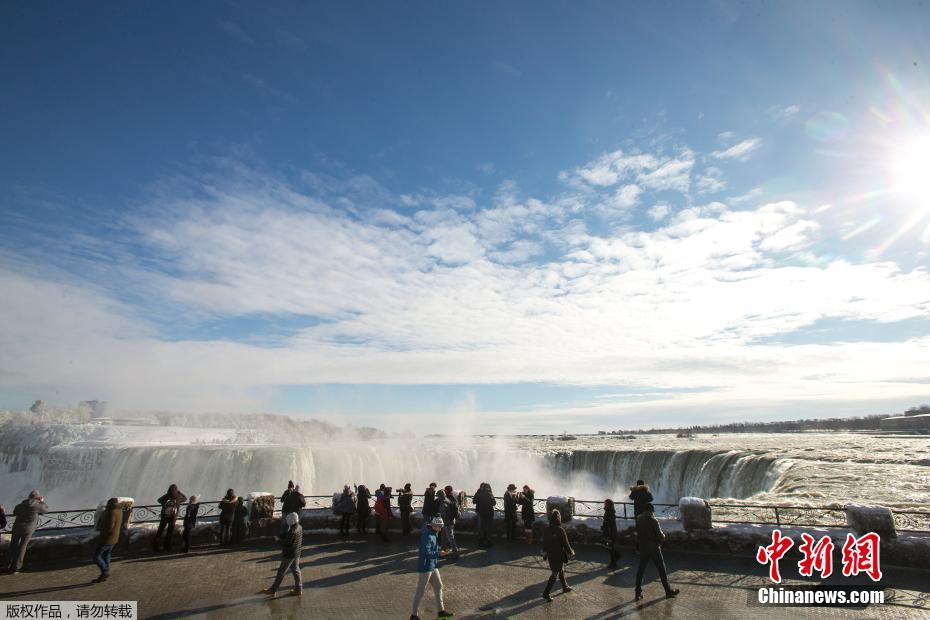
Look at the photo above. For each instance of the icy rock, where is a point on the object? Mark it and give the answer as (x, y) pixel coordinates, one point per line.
(125, 503)
(865, 519)
(261, 505)
(695, 513)
(565, 506)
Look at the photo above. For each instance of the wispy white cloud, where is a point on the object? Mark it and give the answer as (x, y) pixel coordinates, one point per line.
(783, 113)
(740, 151)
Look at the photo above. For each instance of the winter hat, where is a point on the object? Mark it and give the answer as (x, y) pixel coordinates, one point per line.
(437, 521)
(195, 499)
(291, 519)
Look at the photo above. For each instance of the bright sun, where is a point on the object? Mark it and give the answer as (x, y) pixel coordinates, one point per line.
(911, 173)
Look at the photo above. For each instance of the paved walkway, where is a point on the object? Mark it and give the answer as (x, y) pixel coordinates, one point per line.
(367, 579)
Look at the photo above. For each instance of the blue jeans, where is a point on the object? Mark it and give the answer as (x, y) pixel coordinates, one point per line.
(102, 558)
(448, 536)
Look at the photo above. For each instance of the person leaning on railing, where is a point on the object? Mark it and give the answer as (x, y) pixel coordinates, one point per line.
(27, 514)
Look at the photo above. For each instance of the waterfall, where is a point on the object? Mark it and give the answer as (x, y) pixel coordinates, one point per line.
(76, 470)
(672, 474)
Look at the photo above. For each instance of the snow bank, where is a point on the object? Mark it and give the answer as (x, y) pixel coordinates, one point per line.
(124, 502)
(695, 513)
(863, 519)
(565, 506)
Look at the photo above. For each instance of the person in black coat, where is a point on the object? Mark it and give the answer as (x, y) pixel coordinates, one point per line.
(171, 503)
(190, 521)
(527, 511)
(293, 502)
(363, 507)
(484, 507)
(510, 511)
(227, 515)
(430, 507)
(609, 532)
(405, 503)
(240, 528)
(649, 539)
(558, 551)
(641, 497)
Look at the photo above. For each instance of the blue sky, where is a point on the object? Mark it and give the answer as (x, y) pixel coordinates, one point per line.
(548, 216)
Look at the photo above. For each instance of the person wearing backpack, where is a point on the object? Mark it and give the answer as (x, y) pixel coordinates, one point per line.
(170, 504)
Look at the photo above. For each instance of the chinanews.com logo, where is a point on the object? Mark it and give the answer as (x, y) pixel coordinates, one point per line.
(859, 556)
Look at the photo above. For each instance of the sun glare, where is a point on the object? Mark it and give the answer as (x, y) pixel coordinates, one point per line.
(911, 173)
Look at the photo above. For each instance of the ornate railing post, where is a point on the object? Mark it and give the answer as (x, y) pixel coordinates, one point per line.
(777, 518)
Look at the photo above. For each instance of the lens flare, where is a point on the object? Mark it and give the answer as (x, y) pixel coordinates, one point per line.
(827, 127)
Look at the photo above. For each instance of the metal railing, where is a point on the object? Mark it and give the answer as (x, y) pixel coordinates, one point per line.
(781, 515)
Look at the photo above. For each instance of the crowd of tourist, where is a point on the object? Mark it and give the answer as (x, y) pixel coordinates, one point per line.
(441, 509)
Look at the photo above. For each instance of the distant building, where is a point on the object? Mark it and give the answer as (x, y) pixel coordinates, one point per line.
(919, 423)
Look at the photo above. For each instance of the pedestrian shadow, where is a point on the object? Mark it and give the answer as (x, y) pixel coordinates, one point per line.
(517, 603)
(194, 553)
(22, 593)
(624, 609)
(228, 605)
(357, 558)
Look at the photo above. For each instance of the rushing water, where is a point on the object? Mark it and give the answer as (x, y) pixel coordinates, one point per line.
(78, 466)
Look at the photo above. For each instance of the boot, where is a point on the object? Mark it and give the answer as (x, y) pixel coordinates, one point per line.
(639, 594)
(564, 583)
(671, 593)
(548, 589)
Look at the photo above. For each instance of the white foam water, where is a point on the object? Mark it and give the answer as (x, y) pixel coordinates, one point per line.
(78, 465)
